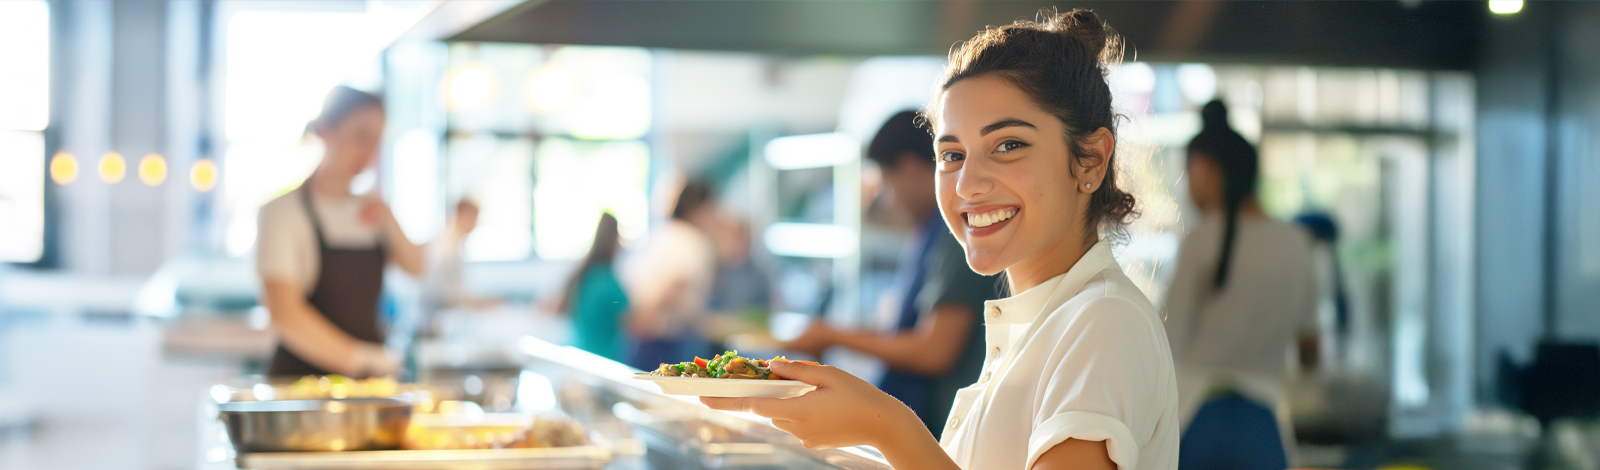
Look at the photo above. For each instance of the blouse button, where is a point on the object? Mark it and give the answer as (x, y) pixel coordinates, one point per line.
(994, 312)
(955, 422)
(994, 353)
(986, 375)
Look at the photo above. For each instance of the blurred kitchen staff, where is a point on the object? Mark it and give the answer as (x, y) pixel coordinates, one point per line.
(321, 252)
(445, 287)
(669, 282)
(936, 346)
(1243, 290)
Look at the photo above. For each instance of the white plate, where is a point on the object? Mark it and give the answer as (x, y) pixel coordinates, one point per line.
(735, 388)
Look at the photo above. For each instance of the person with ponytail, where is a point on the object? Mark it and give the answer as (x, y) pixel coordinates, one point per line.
(1076, 372)
(1242, 291)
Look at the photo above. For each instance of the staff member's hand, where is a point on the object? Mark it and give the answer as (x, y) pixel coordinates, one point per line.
(373, 360)
(843, 411)
(376, 212)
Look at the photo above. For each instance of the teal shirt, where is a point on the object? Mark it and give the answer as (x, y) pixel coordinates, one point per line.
(598, 308)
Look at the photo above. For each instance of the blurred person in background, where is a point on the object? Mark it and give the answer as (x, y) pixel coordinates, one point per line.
(669, 282)
(594, 297)
(445, 287)
(936, 347)
(321, 252)
(1078, 373)
(1242, 294)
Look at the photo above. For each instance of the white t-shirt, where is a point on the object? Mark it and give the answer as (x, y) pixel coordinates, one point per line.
(677, 252)
(286, 243)
(1081, 356)
(1244, 334)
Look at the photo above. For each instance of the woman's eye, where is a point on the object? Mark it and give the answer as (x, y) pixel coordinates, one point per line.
(1009, 145)
(951, 157)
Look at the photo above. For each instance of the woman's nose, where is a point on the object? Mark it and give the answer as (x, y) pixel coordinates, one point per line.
(973, 179)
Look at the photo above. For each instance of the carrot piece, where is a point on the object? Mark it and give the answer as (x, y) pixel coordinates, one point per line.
(699, 362)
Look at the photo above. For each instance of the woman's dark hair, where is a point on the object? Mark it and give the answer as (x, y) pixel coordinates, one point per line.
(1236, 160)
(341, 102)
(900, 134)
(695, 194)
(1060, 60)
(601, 253)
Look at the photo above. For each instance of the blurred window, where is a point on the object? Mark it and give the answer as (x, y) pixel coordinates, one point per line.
(545, 138)
(24, 113)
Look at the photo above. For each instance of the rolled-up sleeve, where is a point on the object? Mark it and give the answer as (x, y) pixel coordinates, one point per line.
(1104, 384)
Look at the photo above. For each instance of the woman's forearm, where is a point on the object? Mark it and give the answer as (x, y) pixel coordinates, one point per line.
(913, 447)
(404, 253)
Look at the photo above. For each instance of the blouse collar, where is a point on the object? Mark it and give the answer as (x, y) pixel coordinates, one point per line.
(1027, 306)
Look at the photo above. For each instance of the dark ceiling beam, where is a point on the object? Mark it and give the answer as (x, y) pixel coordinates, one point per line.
(1428, 35)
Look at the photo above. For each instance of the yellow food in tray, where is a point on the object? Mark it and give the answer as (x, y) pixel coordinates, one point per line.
(312, 387)
(494, 431)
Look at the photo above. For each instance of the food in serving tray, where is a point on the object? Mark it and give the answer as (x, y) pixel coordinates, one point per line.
(544, 431)
(728, 365)
(314, 387)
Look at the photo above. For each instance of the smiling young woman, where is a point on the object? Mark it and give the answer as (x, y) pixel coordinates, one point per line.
(1078, 372)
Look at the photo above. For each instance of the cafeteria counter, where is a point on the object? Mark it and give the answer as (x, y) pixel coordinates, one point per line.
(641, 427)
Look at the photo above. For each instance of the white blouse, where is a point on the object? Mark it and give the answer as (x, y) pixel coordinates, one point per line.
(1081, 356)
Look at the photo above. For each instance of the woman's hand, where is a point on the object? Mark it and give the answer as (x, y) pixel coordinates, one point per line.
(843, 411)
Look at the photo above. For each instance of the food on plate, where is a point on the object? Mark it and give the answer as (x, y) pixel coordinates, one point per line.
(728, 365)
(543, 431)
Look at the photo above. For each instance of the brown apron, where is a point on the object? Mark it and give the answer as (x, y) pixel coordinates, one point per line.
(348, 286)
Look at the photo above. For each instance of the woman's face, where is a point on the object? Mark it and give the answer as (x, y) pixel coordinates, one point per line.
(352, 144)
(1004, 180)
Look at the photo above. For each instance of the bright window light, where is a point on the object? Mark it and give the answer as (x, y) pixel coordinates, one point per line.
(24, 65)
(811, 240)
(1198, 82)
(551, 89)
(1505, 7)
(499, 176)
(812, 151)
(577, 181)
(470, 87)
(21, 196)
(618, 108)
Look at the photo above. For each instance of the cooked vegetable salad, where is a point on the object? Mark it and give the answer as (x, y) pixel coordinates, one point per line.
(728, 365)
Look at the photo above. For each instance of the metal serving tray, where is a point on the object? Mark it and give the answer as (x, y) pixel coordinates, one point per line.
(564, 458)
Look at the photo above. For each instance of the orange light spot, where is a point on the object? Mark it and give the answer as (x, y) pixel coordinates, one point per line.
(153, 170)
(113, 168)
(63, 168)
(203, 175)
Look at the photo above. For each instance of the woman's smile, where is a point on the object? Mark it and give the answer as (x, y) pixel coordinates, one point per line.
(986, 220)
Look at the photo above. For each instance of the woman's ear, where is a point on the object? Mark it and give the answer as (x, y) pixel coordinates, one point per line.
(1096, 161)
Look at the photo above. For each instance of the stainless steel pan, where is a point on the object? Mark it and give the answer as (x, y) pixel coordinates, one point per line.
(316, 425)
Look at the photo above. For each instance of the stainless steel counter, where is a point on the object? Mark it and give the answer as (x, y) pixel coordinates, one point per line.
(644, 428)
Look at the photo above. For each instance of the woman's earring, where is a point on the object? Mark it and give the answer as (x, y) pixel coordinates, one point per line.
(1087, 185)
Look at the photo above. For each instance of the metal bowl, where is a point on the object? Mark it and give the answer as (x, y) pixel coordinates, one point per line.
(317, 425)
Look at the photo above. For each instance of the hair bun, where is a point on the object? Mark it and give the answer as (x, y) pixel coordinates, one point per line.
(1214, 115)
(1085, 26)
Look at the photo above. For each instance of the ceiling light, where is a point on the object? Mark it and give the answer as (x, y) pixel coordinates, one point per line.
(1505, 7)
